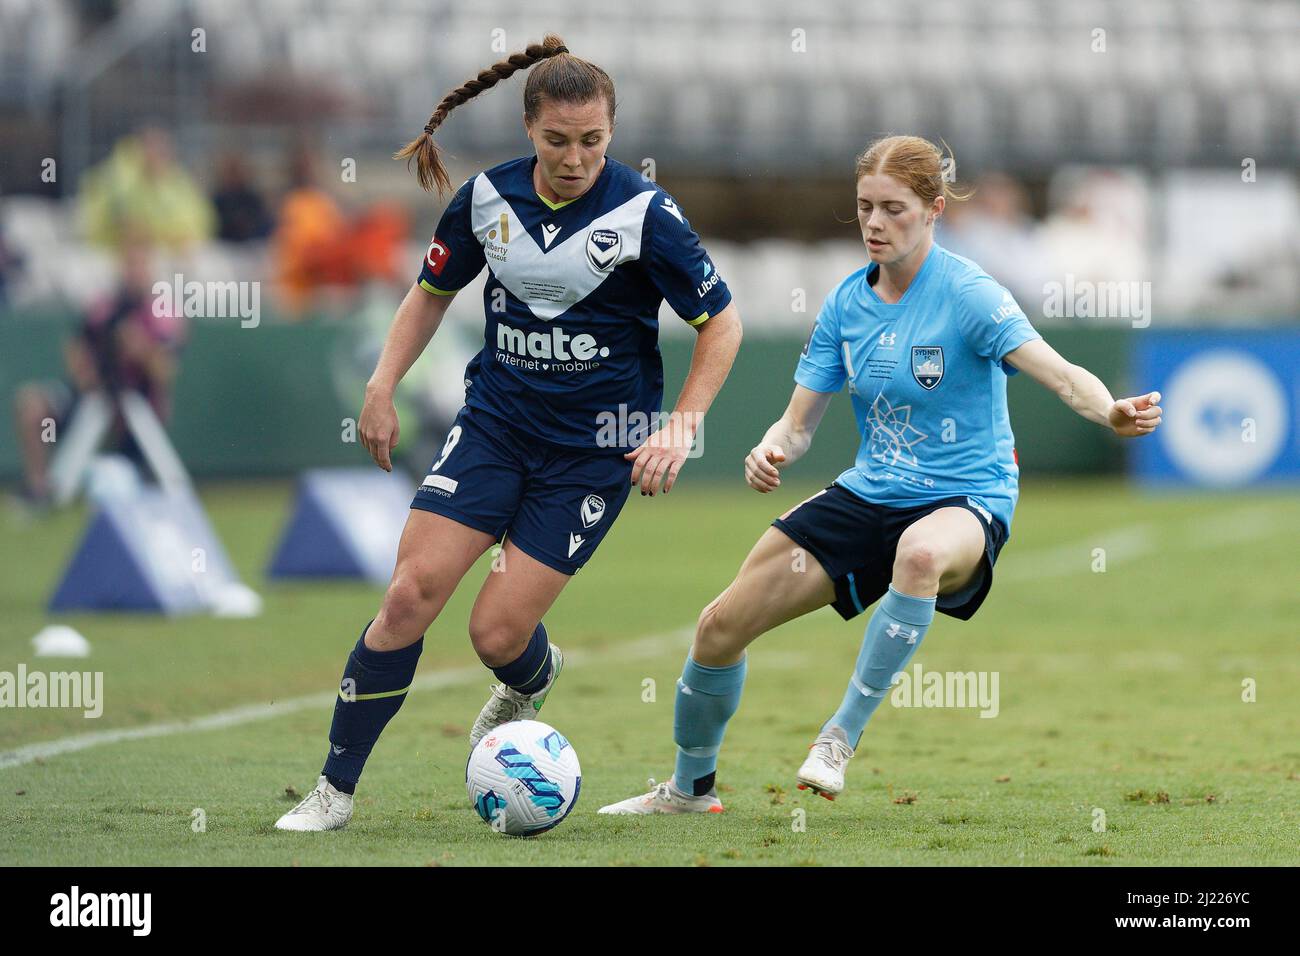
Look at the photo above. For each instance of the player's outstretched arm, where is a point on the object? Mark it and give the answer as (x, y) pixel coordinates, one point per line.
(787, 440)
(661, 456)
(1084, 392)
(417, 318)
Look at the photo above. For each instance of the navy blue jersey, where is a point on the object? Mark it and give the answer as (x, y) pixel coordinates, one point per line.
(571, 340)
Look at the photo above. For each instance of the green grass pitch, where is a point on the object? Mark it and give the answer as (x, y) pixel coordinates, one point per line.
(1120, 691)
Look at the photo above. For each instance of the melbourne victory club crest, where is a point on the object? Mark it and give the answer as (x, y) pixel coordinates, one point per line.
(592, 510)
(927, 365)
(603, 246)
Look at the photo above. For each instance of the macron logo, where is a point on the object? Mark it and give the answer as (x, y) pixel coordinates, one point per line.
(576, 541)
(549, 232)
(670, 207)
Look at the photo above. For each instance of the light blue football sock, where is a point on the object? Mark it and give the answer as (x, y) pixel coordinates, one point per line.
(892, 637)
(706, 699)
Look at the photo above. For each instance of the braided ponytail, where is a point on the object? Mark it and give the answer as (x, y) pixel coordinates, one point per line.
(429, 166)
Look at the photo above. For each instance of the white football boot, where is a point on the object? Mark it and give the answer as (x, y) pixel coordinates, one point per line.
(823, 771)
(666, 798)
(324, 809)
(507, 704)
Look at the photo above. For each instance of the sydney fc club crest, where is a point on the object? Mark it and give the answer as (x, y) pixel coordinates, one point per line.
(927, 365)
(603, 247)
(592, 510)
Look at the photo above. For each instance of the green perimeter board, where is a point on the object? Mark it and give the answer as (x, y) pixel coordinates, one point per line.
(261, 401)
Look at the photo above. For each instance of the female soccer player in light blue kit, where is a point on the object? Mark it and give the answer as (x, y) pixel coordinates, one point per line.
(925, 341)
(581, 251)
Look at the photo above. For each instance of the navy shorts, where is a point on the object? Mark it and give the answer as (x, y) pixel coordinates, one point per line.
(855, 542)
(554, 503)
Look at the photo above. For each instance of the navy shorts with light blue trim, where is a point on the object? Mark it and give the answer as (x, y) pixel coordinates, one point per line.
(555, 503)
(855, 542)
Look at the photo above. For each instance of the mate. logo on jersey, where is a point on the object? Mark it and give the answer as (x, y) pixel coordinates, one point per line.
(593, 509)
(437, 255)
(603, 246)
(927, 365)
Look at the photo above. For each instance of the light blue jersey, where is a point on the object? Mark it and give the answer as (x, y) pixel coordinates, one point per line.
(928, 383)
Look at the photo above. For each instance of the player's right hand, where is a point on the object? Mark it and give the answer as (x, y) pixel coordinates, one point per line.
(378, 429)
(1134, 417)
(761, 467)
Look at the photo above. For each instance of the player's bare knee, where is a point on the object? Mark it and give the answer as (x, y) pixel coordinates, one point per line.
(717, 635)
(919, 561)
(409, 608)
(497, 642)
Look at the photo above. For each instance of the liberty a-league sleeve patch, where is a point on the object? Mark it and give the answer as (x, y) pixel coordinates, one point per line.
(808, 341)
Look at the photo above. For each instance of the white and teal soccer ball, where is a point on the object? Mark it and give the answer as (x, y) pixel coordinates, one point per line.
(523, 778)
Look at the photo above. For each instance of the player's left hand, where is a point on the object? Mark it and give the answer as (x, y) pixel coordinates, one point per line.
(659, 459)
(1133, 417)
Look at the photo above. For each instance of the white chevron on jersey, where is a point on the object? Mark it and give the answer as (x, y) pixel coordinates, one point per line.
(552, 282)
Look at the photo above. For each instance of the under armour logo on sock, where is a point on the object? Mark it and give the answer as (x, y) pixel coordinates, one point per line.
(895, 629)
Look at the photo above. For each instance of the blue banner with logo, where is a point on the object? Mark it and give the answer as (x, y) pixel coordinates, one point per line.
(1231, 402)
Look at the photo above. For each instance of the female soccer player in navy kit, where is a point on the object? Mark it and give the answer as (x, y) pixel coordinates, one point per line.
(581, 250)
(925, 341)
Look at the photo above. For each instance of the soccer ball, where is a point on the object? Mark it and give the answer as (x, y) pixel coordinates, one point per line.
(523, 778)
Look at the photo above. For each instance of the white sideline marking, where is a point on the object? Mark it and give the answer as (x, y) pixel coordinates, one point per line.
(251, 713)
(1236, 526)
(1121, 545)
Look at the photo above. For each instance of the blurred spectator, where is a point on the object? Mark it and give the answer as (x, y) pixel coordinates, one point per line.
(1097, 231)
(242, 214)
(994, 228)
(309, 230)
(10, 262)
(141, 189)
(319, 245)
(375, 244)
(121, 345)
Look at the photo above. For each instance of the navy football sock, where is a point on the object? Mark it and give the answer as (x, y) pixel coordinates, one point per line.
(373, 687)
(529, 672)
